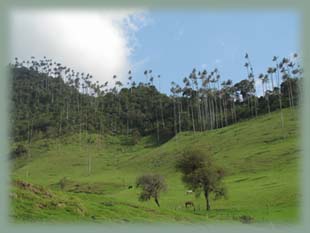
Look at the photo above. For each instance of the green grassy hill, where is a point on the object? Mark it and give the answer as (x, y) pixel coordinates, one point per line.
(260, 158)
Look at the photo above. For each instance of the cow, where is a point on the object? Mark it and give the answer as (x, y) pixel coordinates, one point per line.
(189, 204)
(130, 187)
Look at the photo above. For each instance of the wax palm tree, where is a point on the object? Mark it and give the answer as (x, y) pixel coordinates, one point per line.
(264, 79)
(275, 59)
(251, 78)
(146, 76)
(218, 91)
(204, 93)
(186, 93)
(192, 78)
(178, 91)
(160, 103)
(173, 91)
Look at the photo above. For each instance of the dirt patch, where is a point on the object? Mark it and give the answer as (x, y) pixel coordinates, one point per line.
(32, 188)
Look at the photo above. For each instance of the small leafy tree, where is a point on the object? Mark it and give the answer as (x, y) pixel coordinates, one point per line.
(201, 175)
(151, 186)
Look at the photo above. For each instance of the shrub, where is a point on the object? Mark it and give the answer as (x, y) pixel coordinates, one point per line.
(19, 151)
(246, 219)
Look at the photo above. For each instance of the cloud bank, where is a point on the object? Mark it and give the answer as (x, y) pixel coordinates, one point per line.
(95, 42)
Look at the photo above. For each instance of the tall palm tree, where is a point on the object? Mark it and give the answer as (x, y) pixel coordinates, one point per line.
(204, 93)
(118, 85)
(178, 91)
(129, 93)
(217, 80)
(186, 93)
(214, 102)
(146, 76)
(275, 59)
(160, 103)
(192, 77)
(270, 71)
(251, 78)
(173, 91)
(264, 79)
(154, 105)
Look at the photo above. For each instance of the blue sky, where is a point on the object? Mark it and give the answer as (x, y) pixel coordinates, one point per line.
(174, 42)
(104, 42)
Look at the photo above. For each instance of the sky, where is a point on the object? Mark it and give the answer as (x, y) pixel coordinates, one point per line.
(169, 42)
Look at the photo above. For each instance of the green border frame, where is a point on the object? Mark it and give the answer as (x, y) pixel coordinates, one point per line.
(301, 6)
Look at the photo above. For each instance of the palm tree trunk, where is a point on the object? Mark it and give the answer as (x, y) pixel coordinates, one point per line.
(207, 113)
(180, 111)
(216, 113)
(234, 110)
(225, 110)
(192, 112)
(162, 112)
(67, 107)
(188, 110)
(280, 99)
(290, 93)
(174, 117)
(271, 76)
(212, 115)
(193, 119)
(127, 117)
(203, 114)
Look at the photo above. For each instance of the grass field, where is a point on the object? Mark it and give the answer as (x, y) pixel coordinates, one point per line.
(260, 158)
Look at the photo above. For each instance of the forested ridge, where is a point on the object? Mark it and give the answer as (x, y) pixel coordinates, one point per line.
(50, 100)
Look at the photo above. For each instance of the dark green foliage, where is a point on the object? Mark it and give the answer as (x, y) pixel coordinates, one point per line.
(19, 151)
(165, 135)
(90, 140)
(246, 219)
(201, 175)
(151, 186)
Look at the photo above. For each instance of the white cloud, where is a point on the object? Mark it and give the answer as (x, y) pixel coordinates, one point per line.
(98, 42)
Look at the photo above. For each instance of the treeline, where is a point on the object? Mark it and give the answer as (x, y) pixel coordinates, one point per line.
(51, 100)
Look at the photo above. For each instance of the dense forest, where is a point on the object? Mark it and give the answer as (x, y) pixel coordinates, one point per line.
(50, 100)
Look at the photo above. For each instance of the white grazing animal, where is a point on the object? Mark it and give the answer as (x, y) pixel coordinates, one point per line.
(189, 191)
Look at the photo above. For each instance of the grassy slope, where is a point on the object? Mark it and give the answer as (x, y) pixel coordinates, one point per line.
(262, 181)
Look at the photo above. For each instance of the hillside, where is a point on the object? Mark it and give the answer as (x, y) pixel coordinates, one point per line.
(260, 158)
(50, 100)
